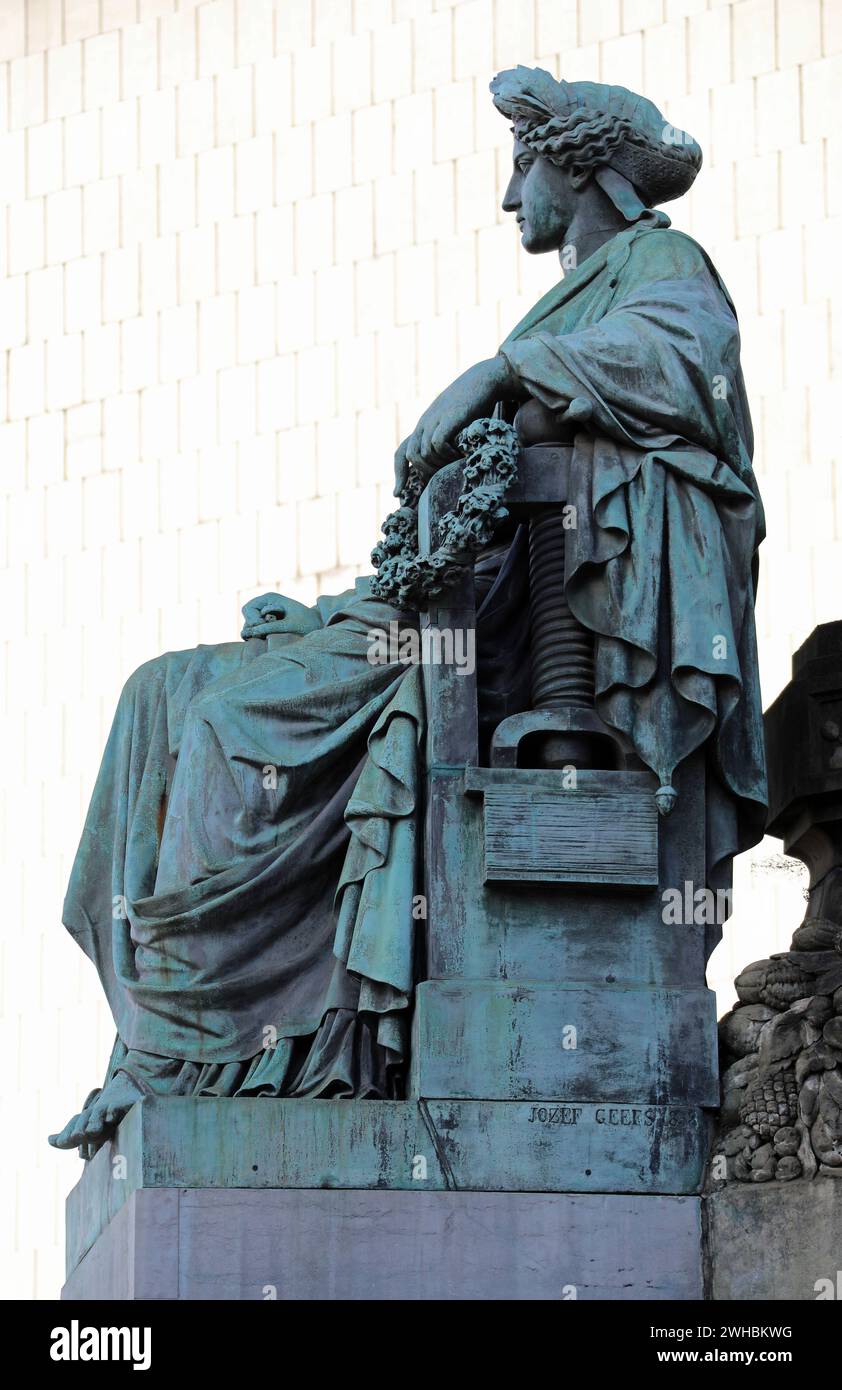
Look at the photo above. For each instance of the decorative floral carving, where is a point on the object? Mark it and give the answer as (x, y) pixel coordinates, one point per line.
(781, 1056)
(490, 448)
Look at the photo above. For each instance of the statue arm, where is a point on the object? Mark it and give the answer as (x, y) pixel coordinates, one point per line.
(662, 365)
(471, 395)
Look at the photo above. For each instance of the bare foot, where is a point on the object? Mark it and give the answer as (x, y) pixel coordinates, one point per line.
(99, 1117)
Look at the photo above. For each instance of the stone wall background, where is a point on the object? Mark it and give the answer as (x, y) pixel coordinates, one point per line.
(243, 243)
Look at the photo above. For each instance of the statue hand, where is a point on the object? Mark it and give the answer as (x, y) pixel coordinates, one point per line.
(432, 443)
(276, 613)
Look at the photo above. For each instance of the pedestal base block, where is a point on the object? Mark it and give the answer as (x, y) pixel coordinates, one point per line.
(387, 1246)
(774, 1240)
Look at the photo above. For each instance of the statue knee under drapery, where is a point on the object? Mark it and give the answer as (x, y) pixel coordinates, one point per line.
(247, 877)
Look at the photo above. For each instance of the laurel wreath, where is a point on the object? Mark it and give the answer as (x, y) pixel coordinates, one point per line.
(490, 448)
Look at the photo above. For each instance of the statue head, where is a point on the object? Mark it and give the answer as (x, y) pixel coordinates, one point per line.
(577, 142)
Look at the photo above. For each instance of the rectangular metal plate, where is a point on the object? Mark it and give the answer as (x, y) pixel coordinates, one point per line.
(571, 836)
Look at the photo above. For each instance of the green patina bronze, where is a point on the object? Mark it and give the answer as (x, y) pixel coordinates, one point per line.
(247, 879)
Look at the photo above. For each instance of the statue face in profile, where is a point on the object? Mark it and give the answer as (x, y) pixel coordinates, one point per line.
(544, 199)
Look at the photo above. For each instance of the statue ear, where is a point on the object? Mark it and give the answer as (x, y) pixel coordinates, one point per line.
(579, 175)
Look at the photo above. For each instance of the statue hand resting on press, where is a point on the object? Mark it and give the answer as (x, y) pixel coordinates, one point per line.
(271, 613)
(471, 395)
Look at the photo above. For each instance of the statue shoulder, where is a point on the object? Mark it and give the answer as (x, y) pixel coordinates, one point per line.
(667, 254)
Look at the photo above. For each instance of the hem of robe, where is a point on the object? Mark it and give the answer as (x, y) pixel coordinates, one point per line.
(350, 1056)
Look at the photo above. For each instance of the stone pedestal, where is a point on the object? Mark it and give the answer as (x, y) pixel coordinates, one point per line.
(168, 1243)
(361, 1200)
(775, 1241)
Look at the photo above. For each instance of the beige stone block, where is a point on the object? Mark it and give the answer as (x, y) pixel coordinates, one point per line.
(215, 185)
(476, 197)
(198, 411)
(81, 19)
(753, 35)
(473, 38)
(317, 532)
(197, 263)
(27, 92)
(159, 273)
(26, 234)
(119, 139)
(139, 49)
(800, 30)
(372, 142)
(273, 93)
(802, 183)
(296, 312)
(178, 342)
(354, 221)
(356, 373)
(709, 49)
(413, 131)
(216, 37)
(392, 212)
(13, 325)
(195, 116)
(101, 66)
(139, 206)
(757, 195)
(314, 232)
(234, 105)
(806, 344)
(395, 353)
(177, 48)
(277, 543)
(100, 215)
(733, 109)
(456, 272)
(255, 28)
(235, 250)
(453, 116)
(432, 50)
(665, 59)
(599, 19)
(120, 285)
(392, 61)
(293, 164)
(778, 110)
(44, 159)
(296, 464)
(435, 202)
(315, 384)
(293, 25)
(256, 323)
(415, 283)
(821, 243)
(217, 332)
(335, 303)
(254, 174)
(157, 127)
(821, 94)
(274, 243)
(781, 264)
(64, 81)
(311, 85)
(101, 363)
(121, 430)
(139, 339)
(12, 29)
(332, 152)
(237, 389)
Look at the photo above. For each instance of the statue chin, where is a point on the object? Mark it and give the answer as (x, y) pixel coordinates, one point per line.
(537, 424)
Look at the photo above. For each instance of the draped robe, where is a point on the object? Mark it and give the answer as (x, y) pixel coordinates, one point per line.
(246, 877)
